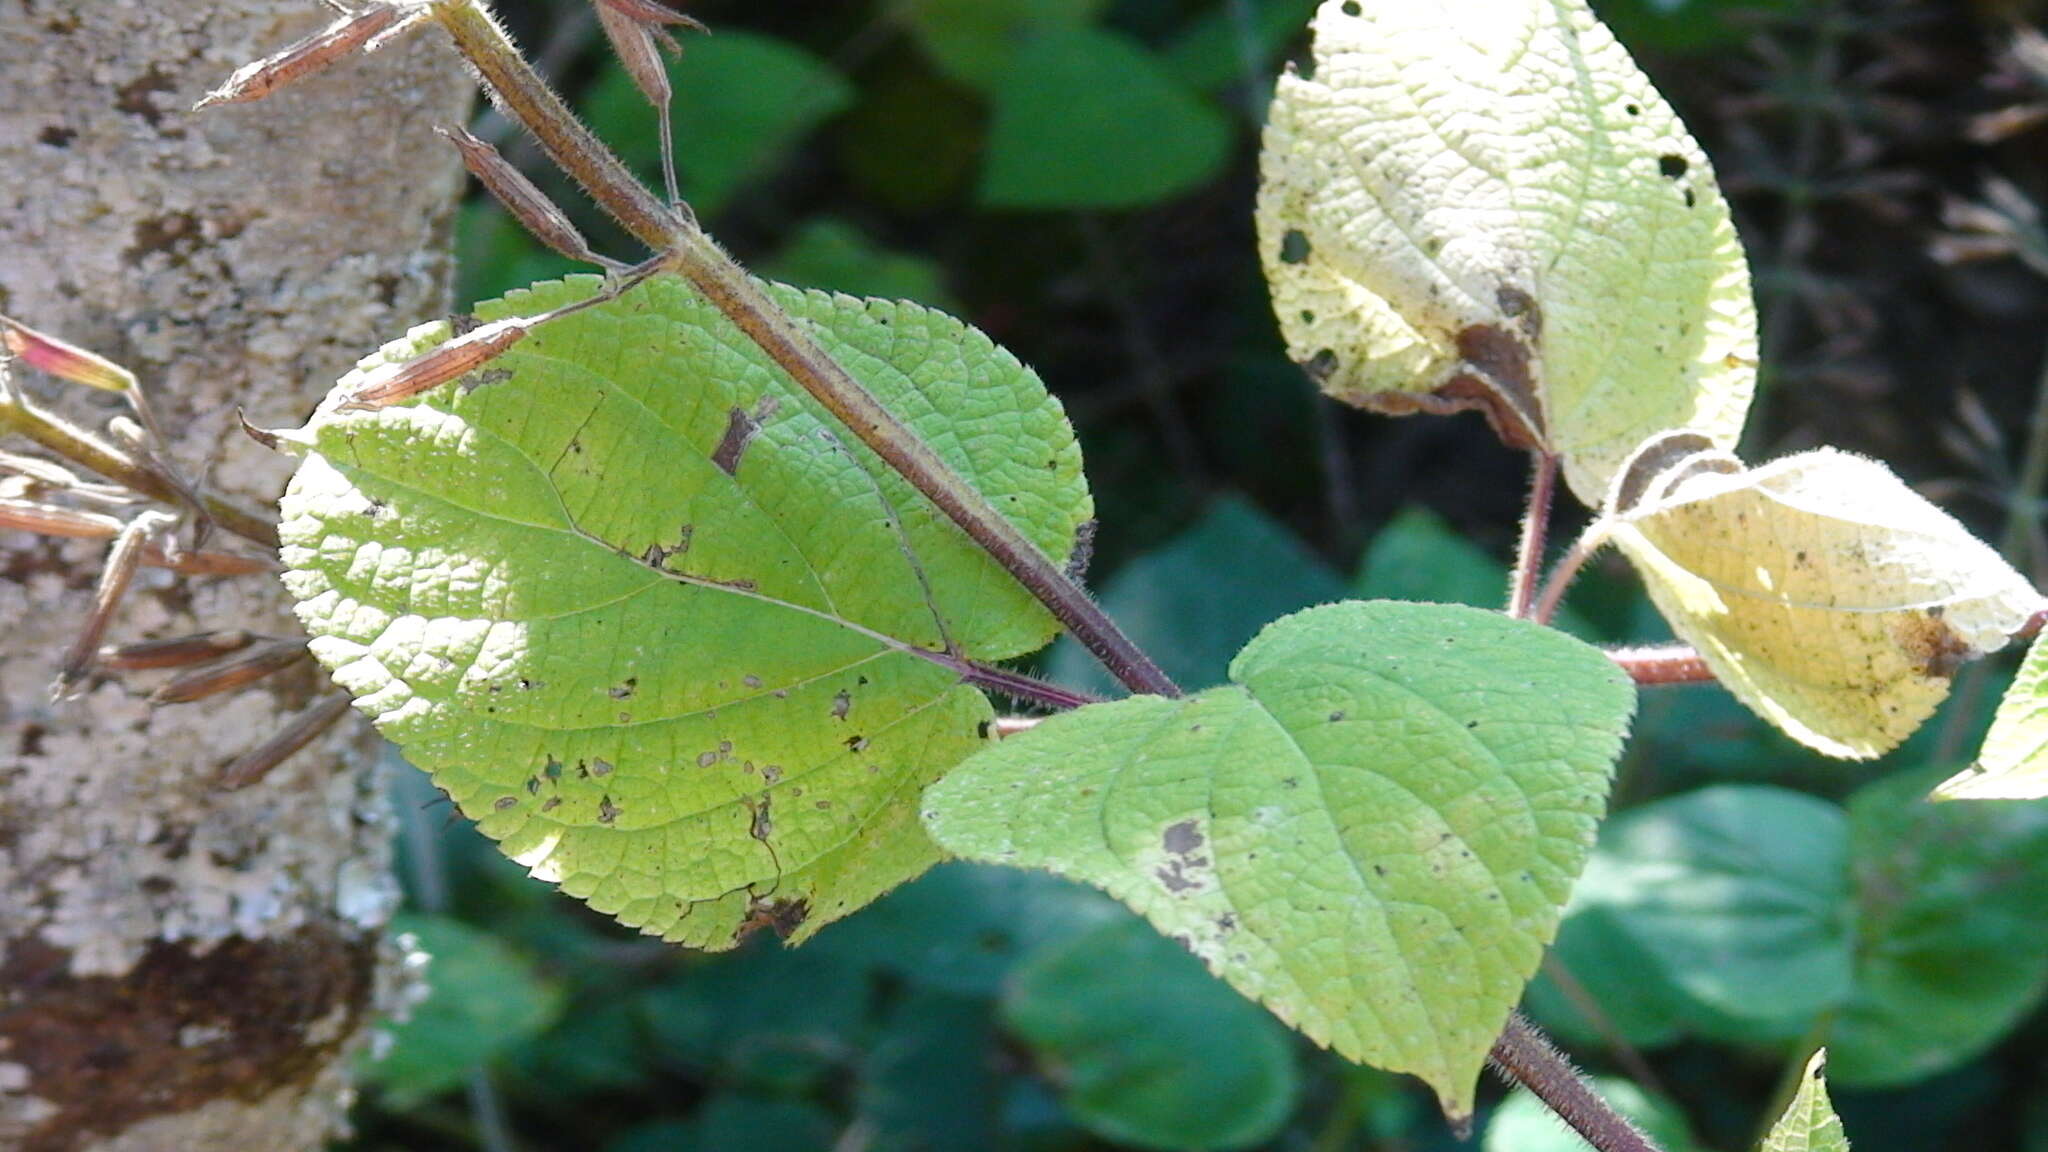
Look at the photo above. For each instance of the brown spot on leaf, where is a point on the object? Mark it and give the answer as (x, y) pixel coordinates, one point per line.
(1182, 838)
(1932, 646)
(781, 916)
(740, 430)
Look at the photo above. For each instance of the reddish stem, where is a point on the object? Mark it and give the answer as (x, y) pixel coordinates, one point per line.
(1669, 664)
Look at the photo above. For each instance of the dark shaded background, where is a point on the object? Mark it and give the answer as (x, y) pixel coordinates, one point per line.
(1883, 161)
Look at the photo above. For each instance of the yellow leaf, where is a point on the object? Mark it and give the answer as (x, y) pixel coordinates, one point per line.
(1485, 204)
(1822, 591)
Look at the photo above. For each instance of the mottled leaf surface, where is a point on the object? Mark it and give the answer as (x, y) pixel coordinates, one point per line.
(1370, 830)
(656, 625)
(1484, 203)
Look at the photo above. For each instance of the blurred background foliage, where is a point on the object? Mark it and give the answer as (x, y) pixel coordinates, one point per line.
(1075, 177)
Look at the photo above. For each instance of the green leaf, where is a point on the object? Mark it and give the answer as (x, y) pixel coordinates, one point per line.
(961, 927)
(483, 998)
(1148, 1048)
(680, 671)
(1194, 602)
(1486, 204)
(742, 103)
(1417, 556)
(1371, 830)
(977, 41)
(929, 1082)
(1738, 897)
(1523, 1123)
(494, 255)
(835, 255)
(741, 1122)
(1809, 1123)
(2014, 762)
(1690, 25)
(1089, 119)
(1952, 946)
(1602, 965)
(735, 1017)
(1215, 51)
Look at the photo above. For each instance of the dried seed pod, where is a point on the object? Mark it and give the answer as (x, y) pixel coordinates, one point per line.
(231, 674)
(193, 562)
(56, 520)
(307, 57)
(526, 202)
(122, 561)
(65, 361)
(466, 353)
(391, 383)
(174, 651)
(256, 763)
(634, 41)
(654, 13)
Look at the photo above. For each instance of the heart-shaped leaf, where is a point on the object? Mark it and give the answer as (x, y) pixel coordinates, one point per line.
(1485, 204)
(1371, 830)
(679, 645)
(1826, 594)
(1809, 1123)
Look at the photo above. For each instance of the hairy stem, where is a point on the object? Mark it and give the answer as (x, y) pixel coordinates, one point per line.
(1527, 1056)
(1667, 664)
(525, 97)
(1535, 526)
(1018, 686)
(1567, 570)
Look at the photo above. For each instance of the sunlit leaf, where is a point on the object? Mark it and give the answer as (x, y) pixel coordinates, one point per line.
(1484, 203)
(1149, 1049)
(1823, 592)
(2013, 764)
(1371, 830)
(653, 623)
(1809, 1123)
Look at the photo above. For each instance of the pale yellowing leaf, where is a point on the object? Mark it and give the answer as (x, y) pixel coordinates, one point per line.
(1823, 592)
(2014, 762)
(1485, 204)
(1809, 1123)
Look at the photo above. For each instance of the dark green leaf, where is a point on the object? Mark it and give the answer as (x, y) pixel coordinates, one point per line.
(1147, 1047)
(1193, 603)
(483, 998)
(1088, 119)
